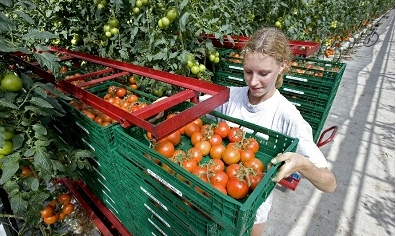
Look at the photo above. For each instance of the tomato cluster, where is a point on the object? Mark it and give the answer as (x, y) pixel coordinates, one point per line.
(92, 113)
(111, 28)
(7, 133)
(232, 168)
(123, 98)
(57, 209)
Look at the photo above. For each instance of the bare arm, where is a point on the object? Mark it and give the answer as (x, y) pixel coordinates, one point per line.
(322, 178)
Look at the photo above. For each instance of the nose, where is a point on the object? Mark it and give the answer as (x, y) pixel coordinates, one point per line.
(252, 79)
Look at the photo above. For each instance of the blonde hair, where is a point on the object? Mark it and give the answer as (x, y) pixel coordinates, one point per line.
(272, 42)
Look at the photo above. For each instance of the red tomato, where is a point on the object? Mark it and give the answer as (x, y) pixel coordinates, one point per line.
(204, 146)
(121, 92)
(220, 177)
(246, 155)
(233, 170)
(165, 148)
(252, 144)
(215, 165)
(195, 153)
(132, 98)
(207, 130)
(196, 137)
(179, 155)
(256, 164)
(190, 128)
(235, 134)
(200, 171)
(237, 189)
(222, 129)
(220, 187)
(174, 137)
(215, 139)
(189, 164)
(64, 199)
(199, 122)
(216, 151)
(68, 208)
(47, 211)
(167, 168)
(255, 180)
(231, 156)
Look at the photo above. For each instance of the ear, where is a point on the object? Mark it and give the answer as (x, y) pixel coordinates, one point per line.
(282, 66)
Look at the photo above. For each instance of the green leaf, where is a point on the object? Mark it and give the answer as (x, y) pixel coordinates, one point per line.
(183, 21)
(18, 204)
(40, 102)
(42, 159)
(10, 186)
(48, 60)
(82, 154)
(29, 152)
(32, 183)
(26, 4)
(42, 143)
(37, 34)
(182, 5)
(5, 103)
(10, 165)
(24, 16)
(57, 165)
(37, 110)
(40, 129)
(7, 3)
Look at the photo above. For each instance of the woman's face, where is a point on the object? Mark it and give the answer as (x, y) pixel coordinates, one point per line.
(261, 72)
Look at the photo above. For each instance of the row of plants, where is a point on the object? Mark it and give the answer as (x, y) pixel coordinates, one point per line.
(165, 35)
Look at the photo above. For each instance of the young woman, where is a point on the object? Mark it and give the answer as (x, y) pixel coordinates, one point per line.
(267, 57)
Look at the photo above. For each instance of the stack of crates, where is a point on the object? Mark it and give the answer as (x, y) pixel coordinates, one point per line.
(129, 178)
(179, 203)
(311, 85)
(103, 179)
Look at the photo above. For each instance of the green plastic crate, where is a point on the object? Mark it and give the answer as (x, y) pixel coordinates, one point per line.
(237, 216)
(228, 79)
(183, 217)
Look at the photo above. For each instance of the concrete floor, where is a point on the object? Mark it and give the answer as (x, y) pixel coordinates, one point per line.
(362, 154)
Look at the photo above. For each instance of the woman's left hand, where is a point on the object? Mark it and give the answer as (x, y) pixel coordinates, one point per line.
(293, 162)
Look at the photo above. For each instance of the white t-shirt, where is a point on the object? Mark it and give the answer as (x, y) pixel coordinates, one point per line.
(278, 114)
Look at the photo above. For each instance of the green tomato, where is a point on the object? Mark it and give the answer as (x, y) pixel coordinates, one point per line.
(136, 10)
(74, 41)
(8, 133)
(217, 60)
(202, 67)
(190, 64)
(212, 57)
(114, 23)
(114, 31)
(106, 27)
(278, 24)
(144, 2)
(108, 34)
(171, 14)
(101, 6)
(165, 21)
(11, 82)
(160, 24)
(139, 3)
(195, 70)
(217, 54)
(7, 148)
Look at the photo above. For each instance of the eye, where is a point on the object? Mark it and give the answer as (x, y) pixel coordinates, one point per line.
(248, 72)
(264, 73)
